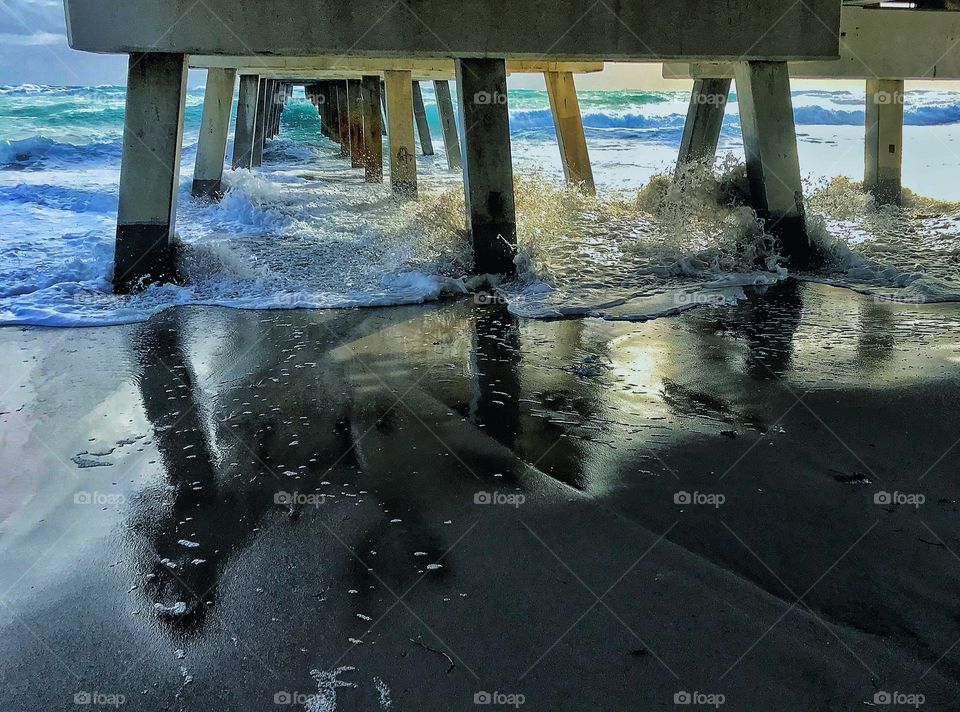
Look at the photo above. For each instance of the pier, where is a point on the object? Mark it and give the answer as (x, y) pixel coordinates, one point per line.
(881, 44)
(434, 396)
(435, 40)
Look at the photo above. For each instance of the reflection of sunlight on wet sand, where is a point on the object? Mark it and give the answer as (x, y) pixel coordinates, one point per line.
(641, 362)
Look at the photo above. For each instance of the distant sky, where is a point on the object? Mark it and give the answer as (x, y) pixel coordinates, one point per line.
(33, 48)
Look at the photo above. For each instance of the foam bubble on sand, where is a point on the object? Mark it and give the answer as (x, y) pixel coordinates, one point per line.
(327, 684)
(383, 692)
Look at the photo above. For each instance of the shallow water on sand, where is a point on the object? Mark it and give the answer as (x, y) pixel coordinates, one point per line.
(306, 231)
(269, 484)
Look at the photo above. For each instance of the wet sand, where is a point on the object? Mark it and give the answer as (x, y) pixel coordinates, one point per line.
(427, 504)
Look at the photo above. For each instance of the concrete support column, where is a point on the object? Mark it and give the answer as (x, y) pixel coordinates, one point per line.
(383, 105)
(316, 93)
(333, 114)
(448, 123)
(373, 145)
(274, 115)
(214, 126)
(149, 169)
(420, 114)
(883, 145)
(569, 126)
(403, 161)
(260, 126)
(770, 145)
(355, 108)
(343, 118)
(488, 171)
(246, 121)
(701, 130)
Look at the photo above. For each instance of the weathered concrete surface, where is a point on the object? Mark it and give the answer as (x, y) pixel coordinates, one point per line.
(214, 127)
(343, 118)
(420, 115)
(355, 110)
(874, 42)
(770, 148)
(487, 164)
(403, 151)
(448, 123)
(352, 67)
(243, 137)
(701, 130)
(565, 107)
(260, 125)
(797, 593)
(373, 128)
(149, 169)
(531, 29)
(883, 140)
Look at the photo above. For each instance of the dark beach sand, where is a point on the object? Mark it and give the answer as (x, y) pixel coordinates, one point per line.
(586, 588)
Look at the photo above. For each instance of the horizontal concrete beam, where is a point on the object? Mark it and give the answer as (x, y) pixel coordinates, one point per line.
(889, 43)
(357, 67)
(639, 30)
(294, 65)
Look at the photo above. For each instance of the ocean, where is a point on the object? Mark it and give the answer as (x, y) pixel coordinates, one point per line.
(305, 231)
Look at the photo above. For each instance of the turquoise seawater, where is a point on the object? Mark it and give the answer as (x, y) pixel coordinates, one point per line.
(306, 231)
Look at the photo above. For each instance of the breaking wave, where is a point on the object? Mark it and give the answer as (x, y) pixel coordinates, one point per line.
(306, 231)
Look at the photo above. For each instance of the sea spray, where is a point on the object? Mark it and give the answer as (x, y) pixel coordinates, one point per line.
(306, 231)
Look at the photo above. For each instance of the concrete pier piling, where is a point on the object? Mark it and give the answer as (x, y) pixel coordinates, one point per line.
(568, 123)
(488, 170)
(333, 109)
(770, 146)
(701, 130)
(273, 41)
(149, 169)
(260, 125)
(420, 115)
(343, 118)
(355, 109)
(403, 160)
(383, 106)
(883, 144)
(246, 121)
(373, 144)
(448, 123)
(214, 126)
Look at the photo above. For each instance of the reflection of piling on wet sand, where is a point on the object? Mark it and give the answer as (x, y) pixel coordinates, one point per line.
(488, 469)
(340, 56)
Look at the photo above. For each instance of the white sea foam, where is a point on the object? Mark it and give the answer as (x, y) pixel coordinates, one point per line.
(305, 231)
